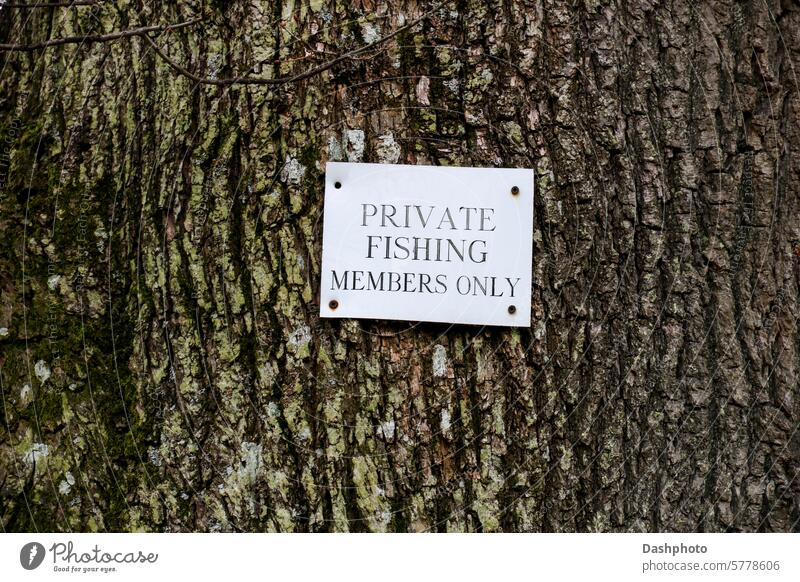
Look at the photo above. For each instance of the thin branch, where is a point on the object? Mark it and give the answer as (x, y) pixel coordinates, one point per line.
(241, 80)
(92, 38)
(51, 4)
(291, 78)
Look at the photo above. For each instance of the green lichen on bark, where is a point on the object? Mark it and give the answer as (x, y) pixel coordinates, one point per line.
(161, 259)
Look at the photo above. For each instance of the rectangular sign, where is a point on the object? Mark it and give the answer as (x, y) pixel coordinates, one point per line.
(427, 243)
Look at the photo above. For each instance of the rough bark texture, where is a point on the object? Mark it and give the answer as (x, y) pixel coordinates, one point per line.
(163, 364)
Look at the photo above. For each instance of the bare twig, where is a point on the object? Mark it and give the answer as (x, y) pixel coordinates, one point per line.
(92, 38)
(241, 80)
(51, 4)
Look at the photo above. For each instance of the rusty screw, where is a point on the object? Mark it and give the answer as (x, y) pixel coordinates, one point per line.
(512, 309)
(333, 304)
(515, 190)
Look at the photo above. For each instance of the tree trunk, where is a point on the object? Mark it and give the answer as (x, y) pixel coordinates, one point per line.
(164, 366)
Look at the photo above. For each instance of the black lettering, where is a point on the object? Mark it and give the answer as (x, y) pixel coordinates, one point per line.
(385, 216)
(408, 281)
(424, 221)
(370, 245)
(402, 247)
(357, 279)
(485, 219)
(512, 285)
(417, 248)
(468, 209)
(424, 282)
(449, 218)
(452, 245)
(394, 281)
(373, 283)
(364, 213)
(336, 283)
(482, 254)
(480, 285)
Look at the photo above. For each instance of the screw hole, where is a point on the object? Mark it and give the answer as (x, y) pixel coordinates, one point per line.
(515, 190)
(512, 309)
(333, 304)
(337, 185)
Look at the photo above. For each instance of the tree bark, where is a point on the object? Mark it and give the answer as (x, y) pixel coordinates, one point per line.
(163, 365)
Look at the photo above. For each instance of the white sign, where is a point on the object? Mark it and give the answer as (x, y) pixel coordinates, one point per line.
(427, 243)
